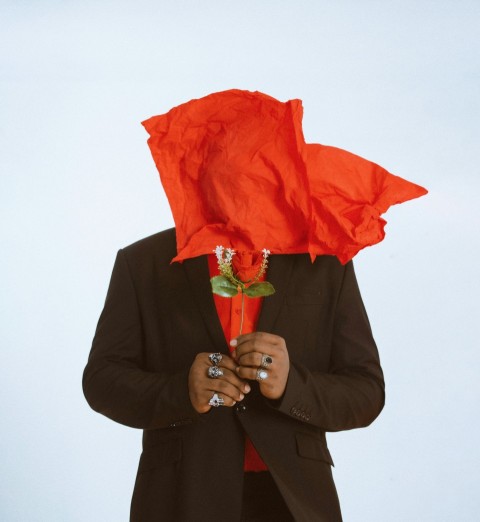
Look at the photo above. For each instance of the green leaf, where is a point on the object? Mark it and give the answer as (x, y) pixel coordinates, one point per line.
(222, 286)
(259, 289)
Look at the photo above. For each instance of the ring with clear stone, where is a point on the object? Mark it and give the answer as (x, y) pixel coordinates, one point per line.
(261, 374)
(216, 401)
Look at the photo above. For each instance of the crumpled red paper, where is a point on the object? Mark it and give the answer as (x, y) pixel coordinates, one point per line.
(237, 172)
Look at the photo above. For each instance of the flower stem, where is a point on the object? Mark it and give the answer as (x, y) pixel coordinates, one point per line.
(241, 317)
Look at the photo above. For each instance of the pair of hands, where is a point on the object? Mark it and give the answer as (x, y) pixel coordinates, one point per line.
(238, 369)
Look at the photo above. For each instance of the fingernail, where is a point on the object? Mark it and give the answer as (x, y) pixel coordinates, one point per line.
(237, 369)
(234, 354)
(247, 388)
(233, 342)
(242, 396)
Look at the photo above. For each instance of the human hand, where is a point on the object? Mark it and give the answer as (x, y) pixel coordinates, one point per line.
(251, 349)
(230, 387)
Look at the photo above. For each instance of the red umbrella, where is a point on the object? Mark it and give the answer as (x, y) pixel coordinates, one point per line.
(237, 172)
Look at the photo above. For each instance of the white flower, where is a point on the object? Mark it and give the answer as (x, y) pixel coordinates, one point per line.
(229, 253)
(224, 256)
(219, 253)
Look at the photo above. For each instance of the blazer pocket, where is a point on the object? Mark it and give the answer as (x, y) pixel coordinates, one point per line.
(312, 448)
(167, 452)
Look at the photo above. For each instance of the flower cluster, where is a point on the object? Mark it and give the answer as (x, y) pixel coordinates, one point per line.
(224, 259)
(264, 265)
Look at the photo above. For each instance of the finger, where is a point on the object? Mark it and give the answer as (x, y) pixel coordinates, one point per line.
(253, 359)
(265, 337)
(226, 389)
(231, 377)
(225, 362)
(228, 363)
(256, 342)
(257, 349)
(227, 401)
(252, 374)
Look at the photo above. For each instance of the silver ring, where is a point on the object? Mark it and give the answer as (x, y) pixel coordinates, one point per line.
(216, 401)
(266, 361)
(261, 374)
(215, 358)
(214, 372)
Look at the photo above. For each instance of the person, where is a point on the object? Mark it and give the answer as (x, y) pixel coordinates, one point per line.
(235, 394)
(148, 369)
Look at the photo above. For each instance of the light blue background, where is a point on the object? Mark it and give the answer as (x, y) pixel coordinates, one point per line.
(397, 82)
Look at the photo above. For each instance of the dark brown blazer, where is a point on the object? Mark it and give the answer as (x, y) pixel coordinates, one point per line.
(158, 316)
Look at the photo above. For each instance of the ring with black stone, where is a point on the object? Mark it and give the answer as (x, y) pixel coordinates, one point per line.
(266, 361)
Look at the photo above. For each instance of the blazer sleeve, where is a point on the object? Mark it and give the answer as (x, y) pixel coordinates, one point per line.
(352, 393)
(115, 382)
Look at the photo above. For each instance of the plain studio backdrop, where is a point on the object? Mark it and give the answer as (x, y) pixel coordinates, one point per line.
(396, 82)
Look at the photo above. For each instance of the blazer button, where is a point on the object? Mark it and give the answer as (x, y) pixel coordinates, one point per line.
(240, 408)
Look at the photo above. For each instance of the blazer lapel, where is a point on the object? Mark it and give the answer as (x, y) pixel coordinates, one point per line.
(198, 277)
(279, 272)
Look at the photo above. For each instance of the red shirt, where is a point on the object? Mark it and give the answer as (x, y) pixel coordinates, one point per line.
(229, 311)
